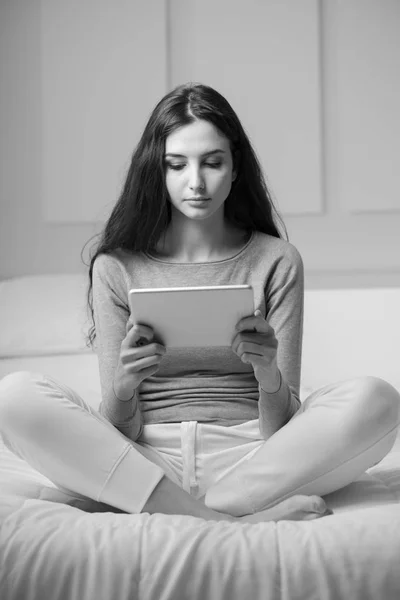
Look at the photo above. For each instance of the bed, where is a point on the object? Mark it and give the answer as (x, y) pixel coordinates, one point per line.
(54, 546)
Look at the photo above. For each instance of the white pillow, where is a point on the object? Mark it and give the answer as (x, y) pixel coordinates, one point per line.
(43, 314)
(305, 391)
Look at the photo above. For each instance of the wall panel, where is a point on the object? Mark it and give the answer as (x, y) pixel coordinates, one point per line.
(356, 242)
(103, 69)
(264, 57)
(368, 77)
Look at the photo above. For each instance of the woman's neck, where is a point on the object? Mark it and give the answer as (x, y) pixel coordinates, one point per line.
(200, 241)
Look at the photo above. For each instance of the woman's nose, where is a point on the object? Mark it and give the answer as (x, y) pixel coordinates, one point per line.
(196, 181)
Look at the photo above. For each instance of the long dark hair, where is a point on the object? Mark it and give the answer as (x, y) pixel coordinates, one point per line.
(142, 212)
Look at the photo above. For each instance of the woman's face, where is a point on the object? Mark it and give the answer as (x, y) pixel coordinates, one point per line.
(198, 163)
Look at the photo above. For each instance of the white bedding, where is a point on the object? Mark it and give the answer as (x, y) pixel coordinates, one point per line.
(58, 547)
(58, 552)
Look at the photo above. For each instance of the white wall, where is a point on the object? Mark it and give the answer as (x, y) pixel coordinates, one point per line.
(315, 84)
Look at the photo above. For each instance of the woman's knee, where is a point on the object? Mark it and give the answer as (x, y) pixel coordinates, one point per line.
(378, 398)
(15, 388)
(16, 379)
(24, 395)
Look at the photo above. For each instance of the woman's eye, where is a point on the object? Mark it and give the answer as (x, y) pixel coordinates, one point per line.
(180, 166)
(175, 167)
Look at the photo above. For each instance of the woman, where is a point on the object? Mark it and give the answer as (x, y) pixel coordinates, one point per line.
(217, 433)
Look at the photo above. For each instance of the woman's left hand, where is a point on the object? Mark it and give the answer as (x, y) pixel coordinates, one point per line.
(256, 344)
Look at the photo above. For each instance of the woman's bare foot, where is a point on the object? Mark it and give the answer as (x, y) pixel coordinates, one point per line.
(296, 508)
(168, 498)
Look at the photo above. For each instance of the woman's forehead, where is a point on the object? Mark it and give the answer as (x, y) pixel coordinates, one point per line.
(199, 137)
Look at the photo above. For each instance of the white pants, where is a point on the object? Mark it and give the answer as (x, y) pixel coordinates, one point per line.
(197, 455)
(339, 432)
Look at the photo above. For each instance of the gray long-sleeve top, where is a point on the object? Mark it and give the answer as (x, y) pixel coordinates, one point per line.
(202, 384)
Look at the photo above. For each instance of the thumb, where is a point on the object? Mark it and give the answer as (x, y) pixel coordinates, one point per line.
(258, 313)
(129, 325)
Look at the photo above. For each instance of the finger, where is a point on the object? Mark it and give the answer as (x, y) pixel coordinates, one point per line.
(139, 332)
(253, 323)
(130, 354)
(129, 325)
(265, 340)
(263, 361)
(143, 363)
(255, 360)
(147, 372)
(151, 349)
(249, 347)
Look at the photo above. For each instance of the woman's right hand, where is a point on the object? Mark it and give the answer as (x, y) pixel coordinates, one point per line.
(139, 358)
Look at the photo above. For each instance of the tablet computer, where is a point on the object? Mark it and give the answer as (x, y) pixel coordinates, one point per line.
(192, 316)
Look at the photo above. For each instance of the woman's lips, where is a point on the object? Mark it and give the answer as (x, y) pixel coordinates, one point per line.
(197, 199)
(203, 202)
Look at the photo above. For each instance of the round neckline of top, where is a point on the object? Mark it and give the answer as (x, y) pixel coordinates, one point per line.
(211, 262)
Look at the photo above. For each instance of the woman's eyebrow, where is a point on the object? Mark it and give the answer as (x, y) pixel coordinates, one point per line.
(205, 153)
